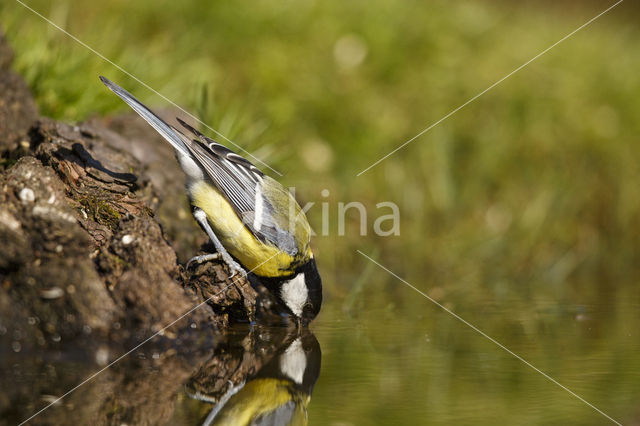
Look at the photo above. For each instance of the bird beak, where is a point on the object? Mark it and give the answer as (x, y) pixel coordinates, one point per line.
(303, 322)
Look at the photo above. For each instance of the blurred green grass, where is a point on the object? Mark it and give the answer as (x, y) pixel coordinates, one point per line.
(526, 198)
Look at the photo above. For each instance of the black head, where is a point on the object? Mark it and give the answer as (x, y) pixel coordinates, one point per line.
(302, 293)
(298, 361)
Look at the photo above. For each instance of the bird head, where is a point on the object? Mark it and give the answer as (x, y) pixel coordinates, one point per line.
(302, 293)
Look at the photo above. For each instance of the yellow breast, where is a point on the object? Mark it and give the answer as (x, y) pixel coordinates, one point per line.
(261, 259)
(260, 397)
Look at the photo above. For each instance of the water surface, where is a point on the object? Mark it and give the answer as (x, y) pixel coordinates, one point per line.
(403, 362)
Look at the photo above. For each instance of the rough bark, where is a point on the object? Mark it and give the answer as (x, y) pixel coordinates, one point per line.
(91, 216)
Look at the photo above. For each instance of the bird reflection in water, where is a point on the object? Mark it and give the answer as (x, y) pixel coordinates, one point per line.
(268, 382)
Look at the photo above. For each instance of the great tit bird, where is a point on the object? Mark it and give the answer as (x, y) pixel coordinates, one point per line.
(247, 215)
(278, 394)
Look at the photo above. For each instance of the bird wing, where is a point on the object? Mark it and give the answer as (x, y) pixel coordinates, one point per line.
(266, 208)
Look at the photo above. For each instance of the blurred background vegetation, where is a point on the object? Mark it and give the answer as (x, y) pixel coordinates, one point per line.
(521, 212)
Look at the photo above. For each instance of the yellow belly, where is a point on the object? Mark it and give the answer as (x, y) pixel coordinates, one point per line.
(261, 259)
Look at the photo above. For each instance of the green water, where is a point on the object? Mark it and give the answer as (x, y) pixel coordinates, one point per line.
(411, 364)
(432, 369)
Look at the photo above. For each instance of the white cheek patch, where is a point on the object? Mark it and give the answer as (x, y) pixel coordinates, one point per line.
(294, 361)
(294, 293)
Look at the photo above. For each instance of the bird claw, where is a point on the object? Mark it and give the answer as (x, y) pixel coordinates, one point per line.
(236, 269)
(202, 258)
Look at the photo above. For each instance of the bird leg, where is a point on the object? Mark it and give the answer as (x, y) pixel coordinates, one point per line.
(234, 266)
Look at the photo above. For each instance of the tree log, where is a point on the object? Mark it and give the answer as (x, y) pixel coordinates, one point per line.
(92, 217)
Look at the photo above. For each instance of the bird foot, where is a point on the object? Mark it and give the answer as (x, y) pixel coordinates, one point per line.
(234, 267)
(202, 258)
